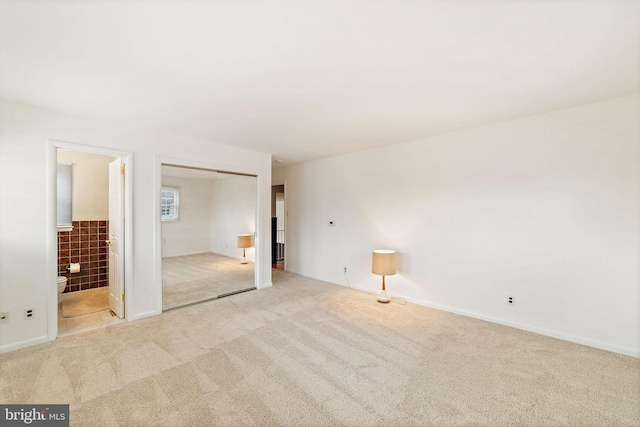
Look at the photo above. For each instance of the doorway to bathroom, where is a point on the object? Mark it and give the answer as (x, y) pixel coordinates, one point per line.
(90, 238)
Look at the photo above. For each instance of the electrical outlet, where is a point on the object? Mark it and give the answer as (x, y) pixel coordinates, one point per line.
(29, 313)
(4, 317)
(511, 300)
(345, 269)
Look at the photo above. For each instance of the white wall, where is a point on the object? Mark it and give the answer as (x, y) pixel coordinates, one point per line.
(545, 208)
(233, 213)
(280, 211)
(191, 233)
(89, 184)
(27, 224)
(275, 189)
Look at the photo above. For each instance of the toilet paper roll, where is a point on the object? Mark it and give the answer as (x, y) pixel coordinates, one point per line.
(74, 267)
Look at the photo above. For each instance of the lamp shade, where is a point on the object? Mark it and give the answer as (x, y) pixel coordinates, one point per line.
(244, 241)
(384, 262)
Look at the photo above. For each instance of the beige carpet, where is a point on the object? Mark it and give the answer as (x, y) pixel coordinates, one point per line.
(307, 353)
(79, 303)
(192, 278)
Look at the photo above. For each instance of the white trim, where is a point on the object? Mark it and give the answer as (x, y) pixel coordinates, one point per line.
(324, 279)
(52, 233)
(261, 244)
(197, 253)
(529, 328)
(22, 344)
(52, 243)
(143, 315)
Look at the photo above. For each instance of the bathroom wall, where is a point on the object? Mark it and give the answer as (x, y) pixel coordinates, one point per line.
(84, 244)
(89, 183)
(90, 213)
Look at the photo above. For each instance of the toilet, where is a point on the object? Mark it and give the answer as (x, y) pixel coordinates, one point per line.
(62, 283)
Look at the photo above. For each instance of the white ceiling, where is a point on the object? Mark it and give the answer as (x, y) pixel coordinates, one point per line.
(315, 78)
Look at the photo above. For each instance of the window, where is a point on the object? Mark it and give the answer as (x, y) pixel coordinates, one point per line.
(64, 195)
(170, 203)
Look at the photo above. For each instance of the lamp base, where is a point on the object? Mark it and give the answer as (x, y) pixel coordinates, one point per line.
(244, 261)
(383, 297)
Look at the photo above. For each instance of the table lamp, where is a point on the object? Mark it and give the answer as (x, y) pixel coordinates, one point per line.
(384, 264)
(244, 242)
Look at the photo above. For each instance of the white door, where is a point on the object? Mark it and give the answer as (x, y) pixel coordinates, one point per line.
(116, 251)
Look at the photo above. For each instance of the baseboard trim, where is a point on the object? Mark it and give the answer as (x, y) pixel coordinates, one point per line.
(265, 285)
(144, 315)
(535, 329)
(185, 254)
(311, 276)
(234, 256)
(22, 344)
(525, 327)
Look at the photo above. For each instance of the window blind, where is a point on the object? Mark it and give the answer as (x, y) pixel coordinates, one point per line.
(64, 194)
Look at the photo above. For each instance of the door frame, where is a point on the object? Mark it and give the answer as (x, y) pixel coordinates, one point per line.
(52, 229)
(259, 240)
(117, 173)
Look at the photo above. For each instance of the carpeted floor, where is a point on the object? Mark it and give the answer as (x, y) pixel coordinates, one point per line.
(308, 353)
(192, 278)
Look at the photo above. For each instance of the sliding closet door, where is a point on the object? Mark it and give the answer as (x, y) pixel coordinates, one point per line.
(233, 231)
(206, 216)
